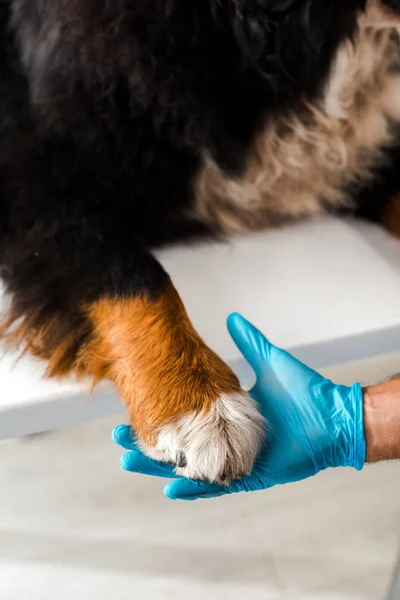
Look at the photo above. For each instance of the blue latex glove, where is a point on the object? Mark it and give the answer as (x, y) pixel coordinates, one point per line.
(314, 424)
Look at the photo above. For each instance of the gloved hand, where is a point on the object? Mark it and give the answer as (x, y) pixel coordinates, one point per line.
(313, 424)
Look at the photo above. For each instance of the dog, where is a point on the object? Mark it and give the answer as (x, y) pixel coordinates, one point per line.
(132, 124)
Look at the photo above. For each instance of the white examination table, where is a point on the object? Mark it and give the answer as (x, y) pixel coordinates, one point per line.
(328, 290)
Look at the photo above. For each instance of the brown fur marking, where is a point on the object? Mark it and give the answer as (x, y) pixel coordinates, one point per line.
(392, 216)
(148, 348)
(158, 362)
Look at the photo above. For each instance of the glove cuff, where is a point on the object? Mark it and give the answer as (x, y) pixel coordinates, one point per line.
(360, 447)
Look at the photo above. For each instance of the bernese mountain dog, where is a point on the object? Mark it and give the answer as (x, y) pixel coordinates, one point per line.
(129, 124)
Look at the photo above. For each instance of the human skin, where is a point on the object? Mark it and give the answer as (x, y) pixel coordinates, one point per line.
(382, 420)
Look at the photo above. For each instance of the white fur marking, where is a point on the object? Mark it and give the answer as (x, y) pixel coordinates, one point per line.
(219, 445)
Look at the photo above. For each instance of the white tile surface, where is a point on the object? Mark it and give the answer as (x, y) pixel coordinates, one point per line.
(74, 527)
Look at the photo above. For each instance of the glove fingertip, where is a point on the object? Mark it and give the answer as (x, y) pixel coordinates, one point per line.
(123, 436)
(125, 461)
(234, 319)
(239, 329)
(238, 326)
(173, 492)
(183, 489)
(249, 340)
(119, 432)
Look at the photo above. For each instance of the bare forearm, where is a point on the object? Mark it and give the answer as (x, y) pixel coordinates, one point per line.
(382, 420)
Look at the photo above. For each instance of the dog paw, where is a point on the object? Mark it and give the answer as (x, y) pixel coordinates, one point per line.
(217, 444)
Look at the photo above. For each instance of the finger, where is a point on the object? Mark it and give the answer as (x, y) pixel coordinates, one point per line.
(184, 489)
(263, 356)
(250, 341)
(122, 435)
(136, 462)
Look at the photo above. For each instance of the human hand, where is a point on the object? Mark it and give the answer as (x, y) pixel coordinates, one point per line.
(313, 424)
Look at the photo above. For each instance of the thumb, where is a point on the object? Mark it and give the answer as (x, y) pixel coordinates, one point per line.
(251, 342)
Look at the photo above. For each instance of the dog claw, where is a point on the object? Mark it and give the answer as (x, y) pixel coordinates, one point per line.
(180, 459)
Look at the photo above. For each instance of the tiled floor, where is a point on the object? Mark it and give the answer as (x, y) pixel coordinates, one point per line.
(74, 527)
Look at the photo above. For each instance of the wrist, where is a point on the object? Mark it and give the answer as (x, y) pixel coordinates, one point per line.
(381, 405)
(346, 429)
